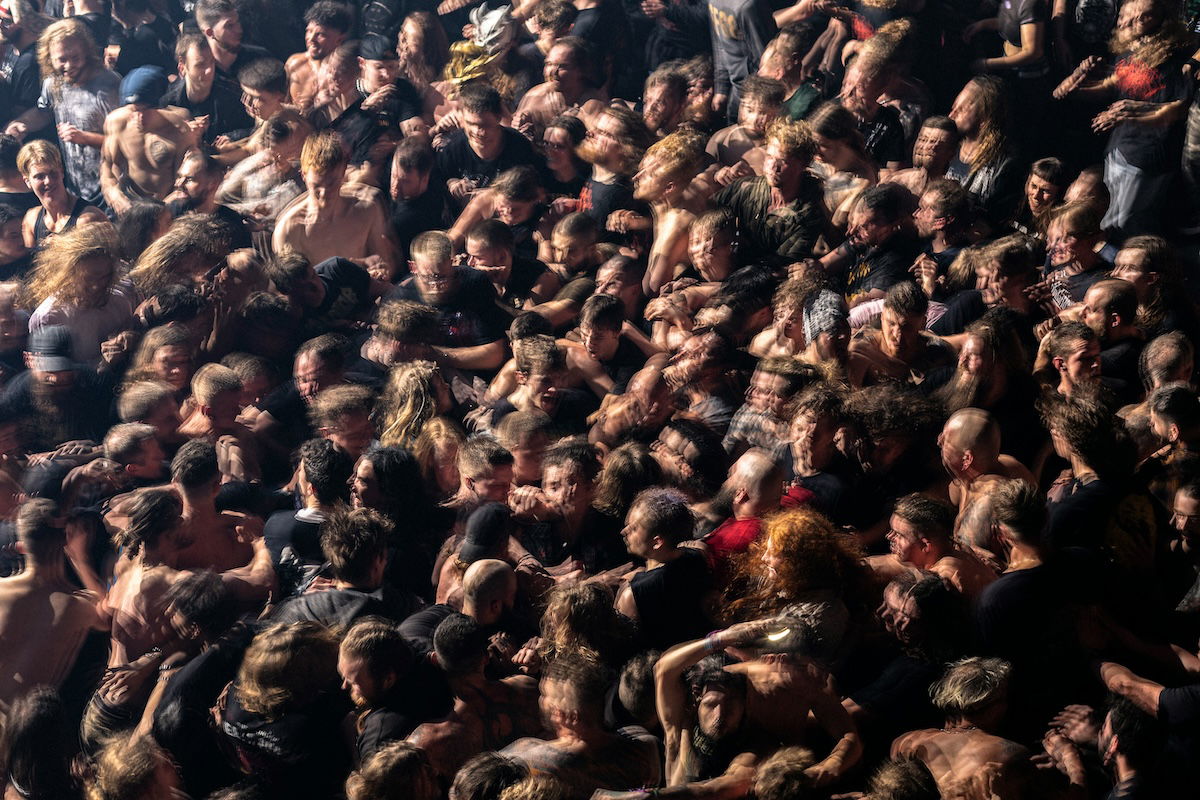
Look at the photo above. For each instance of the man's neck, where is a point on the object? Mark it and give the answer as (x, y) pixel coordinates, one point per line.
(1123, 769)
(602, 174)
(48, 573)
(342, 586)
(59, 204)
(222, 54)
(195, 93)
(784, 195)
(323, 212)
(939, 243)
(1023, 556)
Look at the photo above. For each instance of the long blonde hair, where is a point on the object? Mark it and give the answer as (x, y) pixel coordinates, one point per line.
(409, 401)
(435, 431)
(56, 268)
(141, 368)
(61, 32)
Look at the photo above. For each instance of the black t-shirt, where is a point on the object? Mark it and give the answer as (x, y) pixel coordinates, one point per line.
(898, 699)
(25, 82)
(347, 292)
(183, 720)
(458, 160)
(470, 317)
(341, 607)
(962, 308)
(1015, 13)
(1079, 517)
(285, 529)
(624, 364)
(884, 137)
(361, 129)
(598, 545)
(670, 601)
(289, 409)
(1119, 369)
(223, 107)
(22, 201)
(831, 495)
(598, 200)
(422, 695)
(526, 272)
(151, 43)
(419, 628)
(429, 212)
(1151, 147)
(15, 270)
(301, 753)
(881, 267)
(248, 54)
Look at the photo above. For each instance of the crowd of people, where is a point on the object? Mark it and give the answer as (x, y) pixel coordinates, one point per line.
(599, 399)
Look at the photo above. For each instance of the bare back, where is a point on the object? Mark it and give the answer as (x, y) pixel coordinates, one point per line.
(954, 756)
(42, 625)
(351, 232)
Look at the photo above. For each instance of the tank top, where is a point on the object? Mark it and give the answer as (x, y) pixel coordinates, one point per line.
(41, 230)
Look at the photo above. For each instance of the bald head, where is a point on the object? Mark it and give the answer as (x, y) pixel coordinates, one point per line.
(489, 588)
(970, 440)
(756, 482)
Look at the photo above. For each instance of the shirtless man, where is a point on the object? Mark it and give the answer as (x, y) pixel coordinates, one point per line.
(921, 537)
(333, 218)
(972, 694)
(143, 144)
(585, 755)
(720, 717)
(970, 446)
(487, 714)
(40, 164)
(213, 541)
(43, 617)
(138, 599)
(565, 89)
(666, 171)
(328, 26)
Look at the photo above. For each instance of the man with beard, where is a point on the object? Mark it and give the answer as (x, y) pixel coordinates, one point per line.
(934, 149)
(213, 101)
(942, 218)
(698, 373)
(392, 688)
(901, 349)
(418, 203)
(710, 735)
(487, 714)
(1110, 309)
(666, 171)
(585, 754)
(737, 149)
(472, 325)
(196, 186)
(880, 126)
(77, 95)
(566, 87)
(753, 492)
(614, 147)
(482, 148)
(879, 249)
(781, 214)
(328, 24)
(664, 100)
(24, 81)
(55, 400)
(219, 23)
(143, 144)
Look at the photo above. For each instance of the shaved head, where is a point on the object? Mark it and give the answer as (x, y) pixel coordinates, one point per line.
(970, 442)
(757, 473)
(488, 581)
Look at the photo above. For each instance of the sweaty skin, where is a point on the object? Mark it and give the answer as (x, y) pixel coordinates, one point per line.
(142, 152)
